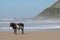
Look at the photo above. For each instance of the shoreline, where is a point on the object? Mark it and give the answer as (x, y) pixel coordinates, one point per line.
(32, 30)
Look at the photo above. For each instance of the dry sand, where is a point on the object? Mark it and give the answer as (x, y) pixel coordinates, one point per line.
(30, 36)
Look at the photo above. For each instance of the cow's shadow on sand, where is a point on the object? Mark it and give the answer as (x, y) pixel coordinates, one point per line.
(21, 33)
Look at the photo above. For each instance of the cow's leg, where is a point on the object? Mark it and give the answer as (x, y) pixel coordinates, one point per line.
(15, 31)
(22, 31)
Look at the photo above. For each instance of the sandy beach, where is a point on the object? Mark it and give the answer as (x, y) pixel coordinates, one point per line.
(30, 36)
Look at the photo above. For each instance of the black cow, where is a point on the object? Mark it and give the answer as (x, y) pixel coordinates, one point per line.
(17, 26)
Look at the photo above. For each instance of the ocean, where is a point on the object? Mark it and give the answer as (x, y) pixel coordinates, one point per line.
(32, 26)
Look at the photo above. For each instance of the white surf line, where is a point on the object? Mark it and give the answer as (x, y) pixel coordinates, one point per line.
(41, 27)
(6, 19)
(33, 27)
(32, 22)
(5, 22)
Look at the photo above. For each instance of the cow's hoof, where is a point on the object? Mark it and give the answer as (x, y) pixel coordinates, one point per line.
(22, 33)
(15, 33)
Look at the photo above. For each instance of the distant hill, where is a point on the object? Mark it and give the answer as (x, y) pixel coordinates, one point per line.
(52, 12)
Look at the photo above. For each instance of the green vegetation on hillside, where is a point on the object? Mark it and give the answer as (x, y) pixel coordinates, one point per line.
(51, 12)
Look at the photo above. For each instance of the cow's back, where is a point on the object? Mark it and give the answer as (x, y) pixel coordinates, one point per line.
(21, 24)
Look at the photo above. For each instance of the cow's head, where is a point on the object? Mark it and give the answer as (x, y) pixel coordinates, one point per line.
(12, 24)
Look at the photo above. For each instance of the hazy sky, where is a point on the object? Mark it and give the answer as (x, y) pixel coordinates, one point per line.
(23, 8)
